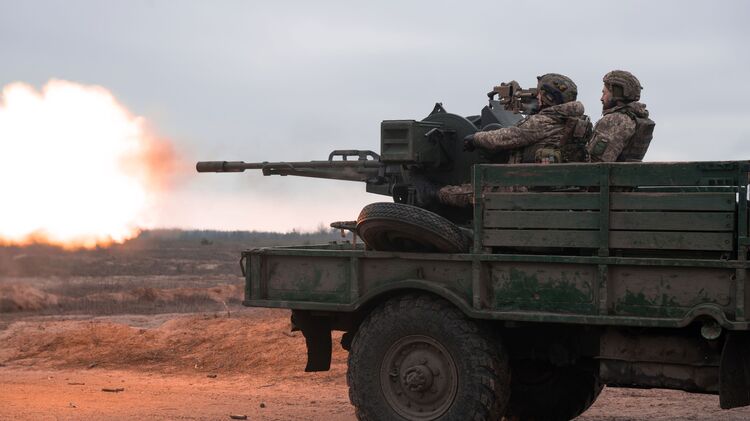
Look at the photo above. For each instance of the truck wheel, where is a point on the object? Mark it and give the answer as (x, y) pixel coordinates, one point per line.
(419, 358)
(399, 227)
(541, 391)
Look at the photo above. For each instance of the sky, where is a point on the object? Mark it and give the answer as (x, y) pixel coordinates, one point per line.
(294, 80)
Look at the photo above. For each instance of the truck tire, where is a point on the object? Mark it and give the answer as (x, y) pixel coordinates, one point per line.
(398, 227)
(419, 358)
(541, 391)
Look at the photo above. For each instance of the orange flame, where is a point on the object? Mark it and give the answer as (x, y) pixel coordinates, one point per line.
(77, 169)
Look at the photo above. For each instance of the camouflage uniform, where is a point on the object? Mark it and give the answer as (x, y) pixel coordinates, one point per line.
(624, 132)
(535, 139)
(614, 135)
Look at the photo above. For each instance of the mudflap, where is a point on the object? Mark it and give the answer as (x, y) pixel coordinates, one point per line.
(734, 373)
(317, 333)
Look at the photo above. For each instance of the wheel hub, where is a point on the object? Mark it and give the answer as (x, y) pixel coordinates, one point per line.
(419, 378)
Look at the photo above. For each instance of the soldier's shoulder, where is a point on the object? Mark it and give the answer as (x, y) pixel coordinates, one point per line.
(620, 121)
(639, 109)
(573, 108)
(568, 109)
(539, 120)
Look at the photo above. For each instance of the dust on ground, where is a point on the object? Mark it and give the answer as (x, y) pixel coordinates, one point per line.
(162, 327)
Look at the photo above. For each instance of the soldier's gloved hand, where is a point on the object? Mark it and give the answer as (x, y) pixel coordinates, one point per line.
(469, 144)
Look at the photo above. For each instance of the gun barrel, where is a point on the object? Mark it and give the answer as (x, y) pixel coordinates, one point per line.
(357, 170)
(240, 166)
(228, 166)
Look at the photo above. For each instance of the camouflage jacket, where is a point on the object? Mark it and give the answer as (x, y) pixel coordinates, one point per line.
(538, 137)
(614, 132)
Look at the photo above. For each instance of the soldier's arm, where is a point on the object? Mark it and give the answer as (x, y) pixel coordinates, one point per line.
(611, 133)
(509, 137)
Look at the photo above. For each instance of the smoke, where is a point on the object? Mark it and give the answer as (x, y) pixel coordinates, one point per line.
(77, 169)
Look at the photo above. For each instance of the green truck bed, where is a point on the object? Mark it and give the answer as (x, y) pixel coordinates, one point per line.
(621, 244)
(624, 274)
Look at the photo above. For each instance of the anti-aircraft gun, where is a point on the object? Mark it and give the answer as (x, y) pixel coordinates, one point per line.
(635, 276)
(411, 153)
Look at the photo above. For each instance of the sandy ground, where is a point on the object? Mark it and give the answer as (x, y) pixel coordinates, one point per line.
(77, 395)
(49, 395)
(210, 366)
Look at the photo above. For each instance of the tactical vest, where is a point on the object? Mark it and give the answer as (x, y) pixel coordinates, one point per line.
(573, 147)
(636, 147)
(578, 131)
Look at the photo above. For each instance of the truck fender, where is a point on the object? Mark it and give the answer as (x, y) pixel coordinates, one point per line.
(377, 295)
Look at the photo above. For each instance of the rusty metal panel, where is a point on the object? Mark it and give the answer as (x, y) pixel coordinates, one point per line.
(651, 291)
(298, 278)
(673, 359)
(541, 238)
(564, 288)
(657, 346)
(701, 379)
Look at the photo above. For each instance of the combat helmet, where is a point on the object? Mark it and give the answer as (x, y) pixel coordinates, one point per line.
(623, 86)
(556, 89)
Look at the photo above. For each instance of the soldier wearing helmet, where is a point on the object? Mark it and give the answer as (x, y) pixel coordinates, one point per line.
(541, 137)
(556, 132)
(624, 132)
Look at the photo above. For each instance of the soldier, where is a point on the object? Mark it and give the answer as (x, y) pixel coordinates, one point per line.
(624, 132)
(557, 132)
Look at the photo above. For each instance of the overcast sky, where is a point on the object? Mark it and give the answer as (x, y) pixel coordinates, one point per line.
(284, 80)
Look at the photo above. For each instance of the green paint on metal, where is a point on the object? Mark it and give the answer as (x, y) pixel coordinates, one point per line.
(699, 213)
(524, 290)
(307, 295)
(637, 304)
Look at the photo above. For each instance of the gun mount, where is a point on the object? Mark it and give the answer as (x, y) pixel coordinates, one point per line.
(411, 152)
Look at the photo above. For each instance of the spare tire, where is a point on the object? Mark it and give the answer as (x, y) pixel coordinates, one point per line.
(399, 227)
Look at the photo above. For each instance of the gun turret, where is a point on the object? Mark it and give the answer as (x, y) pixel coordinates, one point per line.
(411, 152)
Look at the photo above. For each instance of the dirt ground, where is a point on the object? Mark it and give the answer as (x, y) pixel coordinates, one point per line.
(163, 331)
(170, 367)
(210, 366)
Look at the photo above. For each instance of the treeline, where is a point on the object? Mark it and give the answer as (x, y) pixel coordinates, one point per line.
(258, 238)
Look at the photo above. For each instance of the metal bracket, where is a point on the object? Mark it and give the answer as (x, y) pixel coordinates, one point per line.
(362, 155)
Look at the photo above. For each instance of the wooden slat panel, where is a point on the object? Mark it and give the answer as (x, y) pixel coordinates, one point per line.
(673, 201)
(674, 174)
(542, 219)
(541, 201)
(540, 238)
(661, 240)
(542, 175)
(675, 240)
(672, 221)
(709, 174)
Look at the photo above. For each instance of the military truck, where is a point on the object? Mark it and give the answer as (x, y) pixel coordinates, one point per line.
(616, 274)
